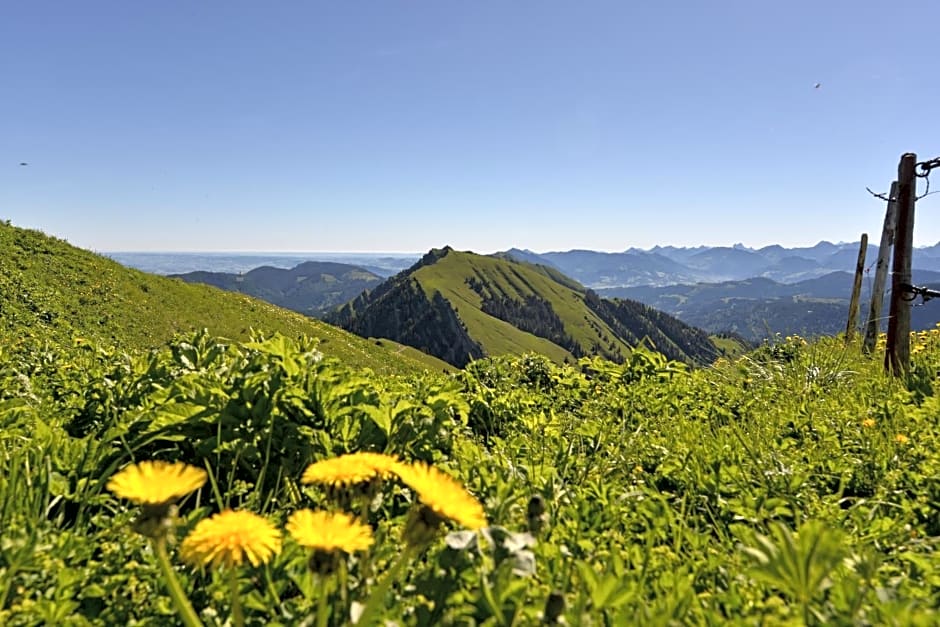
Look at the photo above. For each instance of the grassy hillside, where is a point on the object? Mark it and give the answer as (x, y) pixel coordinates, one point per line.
(502, 278)
(461, 306)
(794, 485)
(52, 290)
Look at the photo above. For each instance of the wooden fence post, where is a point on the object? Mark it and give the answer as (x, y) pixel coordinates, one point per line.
(898, 353)
(881, 271)
(856, 290)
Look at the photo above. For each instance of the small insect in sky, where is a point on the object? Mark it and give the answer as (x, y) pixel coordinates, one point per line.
(23, 163)
(817, 85)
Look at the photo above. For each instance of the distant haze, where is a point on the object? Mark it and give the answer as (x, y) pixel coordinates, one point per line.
(383, 264)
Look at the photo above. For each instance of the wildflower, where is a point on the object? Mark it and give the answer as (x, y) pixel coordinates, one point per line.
(325, 531)
(156, 483)
(901, 438)
(442, 494)
(229, 537)
(868, 423)
(328, 535)
(349, 469)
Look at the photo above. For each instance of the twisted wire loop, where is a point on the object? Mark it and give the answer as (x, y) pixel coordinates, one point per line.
(926, 166)
(914, 291)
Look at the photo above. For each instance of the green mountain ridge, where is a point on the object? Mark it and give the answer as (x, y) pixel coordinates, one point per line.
(461, 306)
(311, 288)
(53, 291)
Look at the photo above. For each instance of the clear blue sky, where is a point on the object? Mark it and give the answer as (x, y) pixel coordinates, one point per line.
(398, 126)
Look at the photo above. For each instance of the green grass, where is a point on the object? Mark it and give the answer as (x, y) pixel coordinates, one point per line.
(729, 347)
(58, 292)
(794, 485)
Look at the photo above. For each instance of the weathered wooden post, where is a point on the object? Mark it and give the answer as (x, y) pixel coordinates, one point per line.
(881, 271)
(898, 353)
(856, 290)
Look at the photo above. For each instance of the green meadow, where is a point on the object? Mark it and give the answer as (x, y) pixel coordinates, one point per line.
(796, 484)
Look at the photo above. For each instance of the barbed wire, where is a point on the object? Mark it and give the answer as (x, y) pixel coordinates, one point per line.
(883, 197)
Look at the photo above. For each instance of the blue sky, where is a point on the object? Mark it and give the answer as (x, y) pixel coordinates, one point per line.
(399, 126)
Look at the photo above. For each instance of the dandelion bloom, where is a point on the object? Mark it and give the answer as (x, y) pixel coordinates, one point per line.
(901, 438)
(868, 422)
(329, 532)
(229, 537)
(156, 483)
(349, 469)
(443, 494)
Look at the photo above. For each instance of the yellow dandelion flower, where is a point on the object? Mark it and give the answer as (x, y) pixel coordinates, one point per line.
(329, 532)
(349, 469)
(156, 483)
(901, 438)
(443, 494)
(868, 422)
(228, 538)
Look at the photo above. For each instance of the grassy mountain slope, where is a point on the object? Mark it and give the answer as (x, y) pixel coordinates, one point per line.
(492, 305)
(310, 288)
(54, 291)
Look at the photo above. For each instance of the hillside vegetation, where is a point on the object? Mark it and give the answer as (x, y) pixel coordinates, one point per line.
(461, 306)
(794, 485)
(54, 291)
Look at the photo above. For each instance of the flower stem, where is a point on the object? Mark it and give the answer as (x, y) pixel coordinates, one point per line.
(343, 583)
(180, 600)
(271, 589)
(377, 598)
(322, 613)
(238, 616)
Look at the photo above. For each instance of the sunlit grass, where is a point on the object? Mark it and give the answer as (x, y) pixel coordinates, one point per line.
(793, 484)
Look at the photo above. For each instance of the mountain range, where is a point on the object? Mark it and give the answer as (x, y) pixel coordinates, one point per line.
(660, 265)
(757, 308)
(753, 308)
(668, 265)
